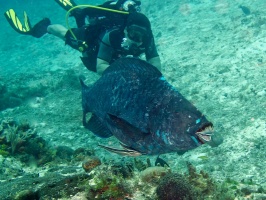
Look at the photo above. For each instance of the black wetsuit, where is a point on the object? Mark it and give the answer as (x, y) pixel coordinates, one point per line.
(106, 46)
(104, 35)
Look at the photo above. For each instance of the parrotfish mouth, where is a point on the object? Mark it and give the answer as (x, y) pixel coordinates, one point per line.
(205, 133)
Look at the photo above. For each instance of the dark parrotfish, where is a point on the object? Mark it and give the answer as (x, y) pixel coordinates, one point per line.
(133, 102)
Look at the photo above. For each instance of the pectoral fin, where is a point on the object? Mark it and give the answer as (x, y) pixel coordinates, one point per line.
(95, 125)
(128, 129)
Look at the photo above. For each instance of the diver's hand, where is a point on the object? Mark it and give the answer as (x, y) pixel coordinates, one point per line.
(101, 66)
(155, 62)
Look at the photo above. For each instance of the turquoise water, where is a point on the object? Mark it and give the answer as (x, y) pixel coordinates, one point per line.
(212, 51)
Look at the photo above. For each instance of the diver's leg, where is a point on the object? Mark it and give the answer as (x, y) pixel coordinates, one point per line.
(57, 30)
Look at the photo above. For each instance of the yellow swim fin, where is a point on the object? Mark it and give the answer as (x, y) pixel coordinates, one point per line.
(38, 30)
(16, 24)
(66, 4)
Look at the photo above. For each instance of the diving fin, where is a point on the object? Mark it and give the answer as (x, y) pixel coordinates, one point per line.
(38, 30)
(77, 12)
(66, 4)
(15, 23)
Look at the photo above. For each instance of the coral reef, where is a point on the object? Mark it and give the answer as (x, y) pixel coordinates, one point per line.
(106, 185)
(120, 180)
(201, 181)
(116, 180)
(153, 174)
(20, 140)
(206, 188)
(140, 165)
(16, 134)
(125, 169)
(194, 186)
(175, 187)
(90, 163)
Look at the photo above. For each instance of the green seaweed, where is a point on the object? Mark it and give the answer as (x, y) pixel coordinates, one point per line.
(4, 150)
(4, 153)
(207, 188)
(140, 165)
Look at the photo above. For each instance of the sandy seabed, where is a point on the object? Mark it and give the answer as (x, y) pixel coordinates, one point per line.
(211, 51)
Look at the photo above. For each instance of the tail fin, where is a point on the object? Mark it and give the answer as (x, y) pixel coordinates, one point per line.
(39, 29)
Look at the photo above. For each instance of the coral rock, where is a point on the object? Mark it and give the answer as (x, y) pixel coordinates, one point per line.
(153, 174)
(175, 187)
(91, 163)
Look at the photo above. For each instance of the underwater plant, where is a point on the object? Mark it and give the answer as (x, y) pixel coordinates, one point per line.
(153, 174)
(198, 186)
(140, 165)
(14, 136)
(21, 141)
(106, 185)
(125, 169)
(14, 133)
(201, 181)
(206, 188)
(4, 153)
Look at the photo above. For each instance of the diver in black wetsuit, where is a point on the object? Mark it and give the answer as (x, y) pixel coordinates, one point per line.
(108, 36)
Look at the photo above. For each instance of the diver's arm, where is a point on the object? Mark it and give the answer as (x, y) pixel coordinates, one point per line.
(151, 54)
(104, 56)
(101, 66)
(155, 61)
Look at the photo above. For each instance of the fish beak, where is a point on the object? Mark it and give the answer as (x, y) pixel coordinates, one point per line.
(205, 134)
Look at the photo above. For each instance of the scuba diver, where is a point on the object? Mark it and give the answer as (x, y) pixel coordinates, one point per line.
(113, 30)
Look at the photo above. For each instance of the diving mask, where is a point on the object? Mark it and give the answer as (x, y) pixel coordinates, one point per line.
(128, 43)
(137, 33)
